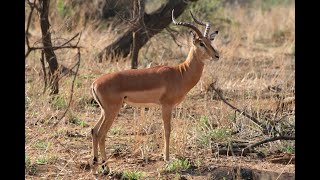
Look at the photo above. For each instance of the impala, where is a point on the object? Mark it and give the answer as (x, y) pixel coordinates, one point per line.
(165, 86)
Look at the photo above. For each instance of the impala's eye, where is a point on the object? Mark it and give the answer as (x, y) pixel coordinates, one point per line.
(201, 44)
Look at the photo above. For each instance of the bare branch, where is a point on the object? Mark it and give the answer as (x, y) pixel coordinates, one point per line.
(132, 22)
(72, 87)
(44, 71)
(28, 52)
(78, 39)
(170, 31)
(57, 47)
(72, 39)
(28, 25)
(76, 65)
(32, 6)
(266, 129)
(236, 109)
(270, 140)
(64, 47)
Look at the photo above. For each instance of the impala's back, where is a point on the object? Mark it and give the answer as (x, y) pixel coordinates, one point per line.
(140, 87)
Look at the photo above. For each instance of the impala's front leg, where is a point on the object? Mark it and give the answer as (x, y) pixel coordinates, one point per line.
(166, 116)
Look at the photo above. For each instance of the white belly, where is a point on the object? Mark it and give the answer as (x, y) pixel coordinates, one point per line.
(142, 104)
(146, 98)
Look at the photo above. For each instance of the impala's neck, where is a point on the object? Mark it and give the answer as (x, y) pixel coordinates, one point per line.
(191, 69)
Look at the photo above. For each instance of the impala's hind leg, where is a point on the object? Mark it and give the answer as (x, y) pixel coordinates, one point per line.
(110, 114)
(95, 141)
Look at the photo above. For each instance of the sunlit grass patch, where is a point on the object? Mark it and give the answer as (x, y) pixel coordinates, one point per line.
(177, 165)
(116, 131)
(46, 159)
(207, 131)
(132, 175)
(77, 121)
(58, 102)
(41, 144)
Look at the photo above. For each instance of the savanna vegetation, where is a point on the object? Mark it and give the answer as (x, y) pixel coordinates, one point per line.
(255, 73)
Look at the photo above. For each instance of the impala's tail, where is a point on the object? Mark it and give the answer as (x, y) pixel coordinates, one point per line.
(94, 94)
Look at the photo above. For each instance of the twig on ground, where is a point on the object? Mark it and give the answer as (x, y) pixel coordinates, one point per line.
(236, 109)
(265, 128)
(270, 140)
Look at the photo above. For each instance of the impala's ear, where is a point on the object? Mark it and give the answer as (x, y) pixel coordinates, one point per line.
(213, 35)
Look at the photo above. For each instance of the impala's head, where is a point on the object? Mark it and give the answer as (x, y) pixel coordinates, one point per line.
(201, 42)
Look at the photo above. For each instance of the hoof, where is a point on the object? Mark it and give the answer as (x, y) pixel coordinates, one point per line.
(104, 170)
(94, 161)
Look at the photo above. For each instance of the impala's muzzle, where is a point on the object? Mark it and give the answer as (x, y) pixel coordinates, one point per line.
(215, 56)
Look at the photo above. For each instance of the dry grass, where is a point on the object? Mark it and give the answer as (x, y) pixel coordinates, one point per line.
(257, 52)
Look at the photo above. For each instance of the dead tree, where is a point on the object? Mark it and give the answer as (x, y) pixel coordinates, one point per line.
(47, 48)
(47, 44)
(138, 12)
(154, 23)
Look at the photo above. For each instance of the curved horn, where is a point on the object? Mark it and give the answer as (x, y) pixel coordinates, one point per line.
(187, 25)
(206, 31)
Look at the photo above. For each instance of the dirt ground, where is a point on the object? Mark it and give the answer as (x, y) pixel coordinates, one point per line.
(135, 149)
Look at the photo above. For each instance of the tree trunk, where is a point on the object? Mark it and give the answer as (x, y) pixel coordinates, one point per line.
(138, 13)
(154, 23)
(47, 44)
